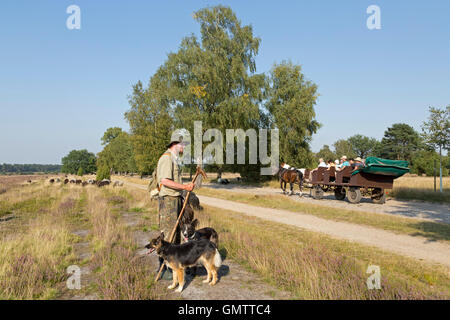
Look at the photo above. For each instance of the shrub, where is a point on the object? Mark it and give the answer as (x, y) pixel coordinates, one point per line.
(423, 162)
(80, 172)
(103, 173)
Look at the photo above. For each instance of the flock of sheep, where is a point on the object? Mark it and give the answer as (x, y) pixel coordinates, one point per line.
(101, 183)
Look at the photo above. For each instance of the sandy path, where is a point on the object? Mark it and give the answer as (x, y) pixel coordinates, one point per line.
(414, 209)
(235, 283)
(415, 247)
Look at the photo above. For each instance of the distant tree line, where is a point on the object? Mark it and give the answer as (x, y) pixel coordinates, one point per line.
(29, 168)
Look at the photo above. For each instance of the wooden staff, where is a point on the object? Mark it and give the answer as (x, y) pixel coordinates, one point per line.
(172, 235)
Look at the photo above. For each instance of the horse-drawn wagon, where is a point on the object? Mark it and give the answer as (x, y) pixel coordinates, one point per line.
(371, 180)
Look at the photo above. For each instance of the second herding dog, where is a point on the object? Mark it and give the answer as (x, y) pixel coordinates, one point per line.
(179, 257)
(189, 233)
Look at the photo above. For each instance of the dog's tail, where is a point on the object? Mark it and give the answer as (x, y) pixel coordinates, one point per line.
(217, 259)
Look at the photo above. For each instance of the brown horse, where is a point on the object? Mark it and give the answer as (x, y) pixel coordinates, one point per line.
(290, 176)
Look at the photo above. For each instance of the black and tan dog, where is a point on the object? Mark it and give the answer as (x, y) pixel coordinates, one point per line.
(179, 257)
(189, 233)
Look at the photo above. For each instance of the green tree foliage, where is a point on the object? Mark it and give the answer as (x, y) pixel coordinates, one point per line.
(103, 173)
(110, 134)
(291, 105)
(118, 154)
(28, 168)
(436, 131)
(400, 142)
(80, 172)
(363, 146)
(343, 147)
(424, 160)
(213, 79)
(326, 154)
(217, 83)
(77, 159)
(150, 122)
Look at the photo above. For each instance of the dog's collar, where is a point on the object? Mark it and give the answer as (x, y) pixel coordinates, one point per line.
(190, 238)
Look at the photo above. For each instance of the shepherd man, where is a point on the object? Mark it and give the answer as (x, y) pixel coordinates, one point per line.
(168, 176)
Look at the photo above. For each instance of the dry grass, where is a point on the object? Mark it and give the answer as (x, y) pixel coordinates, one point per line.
(312, 266)
(421, 188)
(423, 183)
(36, 246)
(119, 273)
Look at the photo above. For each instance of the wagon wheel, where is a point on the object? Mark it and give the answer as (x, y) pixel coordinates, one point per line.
(317, 192)
(339, 193)
(379, 197)
(354, 195)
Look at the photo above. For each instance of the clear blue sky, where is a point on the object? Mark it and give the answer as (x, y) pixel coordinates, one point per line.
(61, 89)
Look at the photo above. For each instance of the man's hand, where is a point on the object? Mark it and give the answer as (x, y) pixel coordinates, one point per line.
(189, 186)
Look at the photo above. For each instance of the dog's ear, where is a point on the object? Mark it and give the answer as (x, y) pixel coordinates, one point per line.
(195, 223)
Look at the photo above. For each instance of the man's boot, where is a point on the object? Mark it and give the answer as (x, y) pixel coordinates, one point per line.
(166, 272)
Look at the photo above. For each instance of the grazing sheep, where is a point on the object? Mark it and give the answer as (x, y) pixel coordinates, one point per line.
(78, 181)
(84, 183)
(223, 181)
(103, 183)
(52, 180)
(72, 181)
(58, 180)
(66, 181)
(29, 181)
(118, 184)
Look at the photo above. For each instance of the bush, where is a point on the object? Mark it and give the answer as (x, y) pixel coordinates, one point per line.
(80, 172)
(423, 162)
(103, 173)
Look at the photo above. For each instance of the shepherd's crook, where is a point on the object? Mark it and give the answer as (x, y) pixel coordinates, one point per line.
(197, 173)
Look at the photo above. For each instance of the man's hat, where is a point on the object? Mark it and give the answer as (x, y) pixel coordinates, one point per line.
(344, 157)
(175, 142)
(358, 159)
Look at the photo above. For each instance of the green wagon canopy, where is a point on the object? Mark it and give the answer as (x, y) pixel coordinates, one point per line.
(395, 168)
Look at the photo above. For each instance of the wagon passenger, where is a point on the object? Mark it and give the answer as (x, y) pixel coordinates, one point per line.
(321, 163)
(357, 164)
(344, 163)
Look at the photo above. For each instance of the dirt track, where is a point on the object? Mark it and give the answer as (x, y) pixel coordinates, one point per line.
(414, 209)
(415, 247)
(235, 282)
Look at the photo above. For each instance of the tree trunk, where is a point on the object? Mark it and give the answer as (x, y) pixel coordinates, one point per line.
(440, 168)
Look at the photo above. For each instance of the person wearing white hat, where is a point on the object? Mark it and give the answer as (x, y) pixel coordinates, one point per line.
(357, 163)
